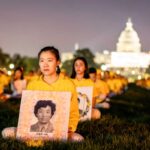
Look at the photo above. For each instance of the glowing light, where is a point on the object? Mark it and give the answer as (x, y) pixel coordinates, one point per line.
(139, 77)
(133, 72)
(9, 73)
(118, 71)
(105, 52)
(104, 67)
(11, 66)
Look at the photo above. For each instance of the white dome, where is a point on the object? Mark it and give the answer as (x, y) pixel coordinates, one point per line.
(129, 40)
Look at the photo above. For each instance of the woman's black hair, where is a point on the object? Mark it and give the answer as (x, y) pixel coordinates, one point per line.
(44, 103)
(92, 70)
(86, 74)
(21, 70)
(53, 50)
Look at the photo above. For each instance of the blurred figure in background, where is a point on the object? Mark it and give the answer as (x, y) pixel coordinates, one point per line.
(29, 76)
(80, 77)
(18, 83)
(32, 75)
(148, 83)
(102, 88)
(117, 83)
(63, 73)
(4, 83)
(144, 83)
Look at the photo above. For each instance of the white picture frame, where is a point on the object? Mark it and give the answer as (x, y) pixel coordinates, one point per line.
(85, 95)
(28, 120)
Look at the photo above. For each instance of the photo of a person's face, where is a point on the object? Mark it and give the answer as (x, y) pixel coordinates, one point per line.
(43, 111)
(44, 114)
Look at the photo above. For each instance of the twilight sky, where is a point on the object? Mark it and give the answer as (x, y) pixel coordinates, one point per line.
(26, 26)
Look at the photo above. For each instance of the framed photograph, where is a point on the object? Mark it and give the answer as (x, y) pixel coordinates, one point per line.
(44, 115)
(85, 102)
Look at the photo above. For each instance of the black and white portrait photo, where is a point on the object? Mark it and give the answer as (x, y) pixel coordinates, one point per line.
(43, 111)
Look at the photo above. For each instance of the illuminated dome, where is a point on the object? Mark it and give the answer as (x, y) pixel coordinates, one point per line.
(129, 40)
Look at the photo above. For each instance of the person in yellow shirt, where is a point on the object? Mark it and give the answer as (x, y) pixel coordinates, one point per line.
(148, 83)
(32, 75)
(4, 84)
(29, 76)
(102, 88)
(63, 73)
(4, 80)
(80, 77)
(50, 80)
(115, 84)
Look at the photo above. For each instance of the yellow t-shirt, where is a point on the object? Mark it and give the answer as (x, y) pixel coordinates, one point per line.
(85, 82)
(102, 89)
(1, 88)
(115, 85)
(148, 83)
(118, 85)
(4, 81)
(62, 84)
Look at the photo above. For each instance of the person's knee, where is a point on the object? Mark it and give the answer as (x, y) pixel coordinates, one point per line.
(75, 137)
(9, 132)
(96, 114)
(106, 105)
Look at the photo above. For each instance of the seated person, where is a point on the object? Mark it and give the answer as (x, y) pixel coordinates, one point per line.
(18, 83)
(80, 77)
(101, 87)
(49, 60)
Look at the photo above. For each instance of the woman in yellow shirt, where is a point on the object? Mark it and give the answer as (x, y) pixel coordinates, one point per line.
(80, 77)
(102, 88)
(50, 80)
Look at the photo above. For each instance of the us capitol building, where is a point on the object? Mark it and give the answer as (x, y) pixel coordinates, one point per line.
(128, 59)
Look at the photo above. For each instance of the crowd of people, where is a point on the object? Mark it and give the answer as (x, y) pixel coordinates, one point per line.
(144, 83)
(12, 86)
(51, 78)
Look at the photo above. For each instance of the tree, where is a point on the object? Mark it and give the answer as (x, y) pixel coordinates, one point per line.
(67, 65)
(28, 63)
(5, 59)
(17, 60)
(88, 55)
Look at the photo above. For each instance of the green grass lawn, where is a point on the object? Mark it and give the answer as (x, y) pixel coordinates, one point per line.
(125, 126)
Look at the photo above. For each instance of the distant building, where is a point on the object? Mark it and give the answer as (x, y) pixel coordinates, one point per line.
(128, 58)
(69, 55)
(128, 52)
(76, 46)
(66, 56)
(129, 40)
(103, 58)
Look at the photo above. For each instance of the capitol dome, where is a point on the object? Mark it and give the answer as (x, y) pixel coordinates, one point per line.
(129, 40)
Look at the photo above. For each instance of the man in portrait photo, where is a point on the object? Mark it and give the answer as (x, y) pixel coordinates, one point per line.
(44, 111)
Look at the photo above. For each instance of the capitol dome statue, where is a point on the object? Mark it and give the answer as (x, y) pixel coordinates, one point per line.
(128, 40)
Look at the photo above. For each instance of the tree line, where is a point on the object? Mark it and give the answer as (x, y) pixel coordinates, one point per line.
(31, 63)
